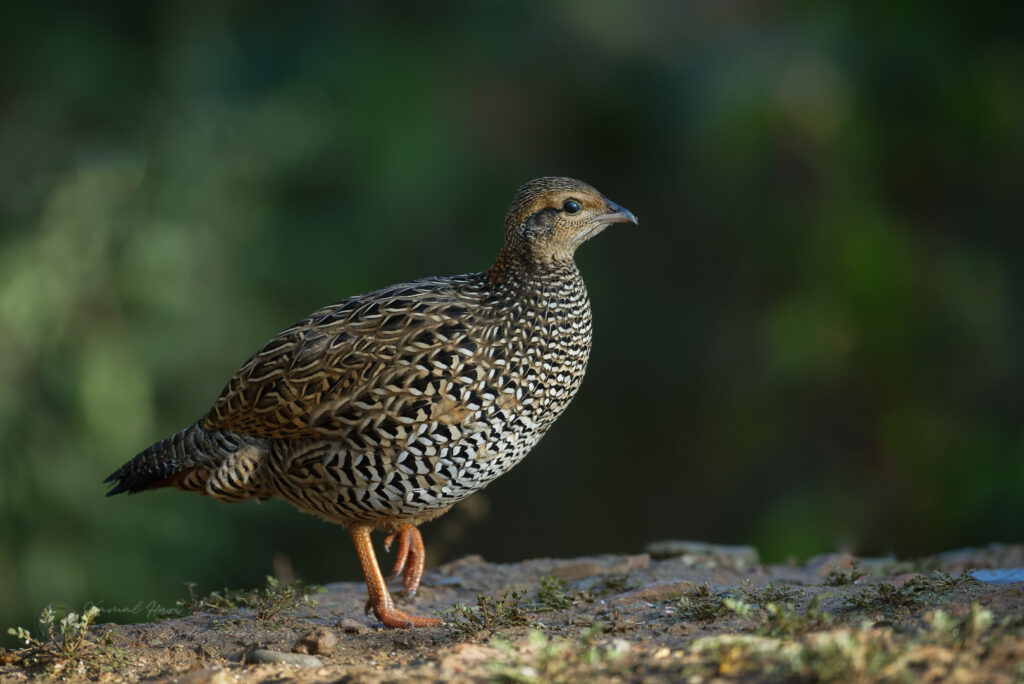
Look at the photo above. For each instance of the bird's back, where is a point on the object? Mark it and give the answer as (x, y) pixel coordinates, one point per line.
(321, 376)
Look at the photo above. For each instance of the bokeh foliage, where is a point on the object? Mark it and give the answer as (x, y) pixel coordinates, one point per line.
(813, 340)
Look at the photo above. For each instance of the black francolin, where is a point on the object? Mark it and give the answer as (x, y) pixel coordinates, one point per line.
(385, 409)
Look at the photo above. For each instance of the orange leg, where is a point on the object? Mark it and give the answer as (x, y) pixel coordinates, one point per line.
(380, 599)
(411, 549)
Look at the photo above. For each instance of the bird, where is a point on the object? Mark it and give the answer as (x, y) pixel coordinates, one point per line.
(383, 410)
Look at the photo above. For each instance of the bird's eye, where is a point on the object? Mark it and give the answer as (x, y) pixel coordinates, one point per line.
(571, 206)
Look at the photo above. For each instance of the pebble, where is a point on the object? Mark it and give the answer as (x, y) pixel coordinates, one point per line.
(999, 576)
(321, 640)
(640, 561)
(201, 676)
(434, 580)
(619, 647)
(653, 593)
(450, 569)
(825, 564)
(612, 565)
(262, 655)
(351, 626)
(672, 548)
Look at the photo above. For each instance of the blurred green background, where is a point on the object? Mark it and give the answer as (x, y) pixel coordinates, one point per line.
(812, 342)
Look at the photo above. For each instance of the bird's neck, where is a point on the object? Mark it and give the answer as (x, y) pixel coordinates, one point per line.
(533, 286)
(515, 270)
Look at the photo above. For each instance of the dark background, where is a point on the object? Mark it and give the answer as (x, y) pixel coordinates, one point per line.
(811, 342)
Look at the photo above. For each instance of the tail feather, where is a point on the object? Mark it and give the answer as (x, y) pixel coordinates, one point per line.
(171, 461)
(151, 479)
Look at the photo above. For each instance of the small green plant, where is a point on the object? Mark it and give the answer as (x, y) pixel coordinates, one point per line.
(741, 608)
(842, 578)
(552, 595)
(762, 596)
(700, 604)
(214, 602)
(945, 582)
(267, 604)
(66, 643)
(554, 592)
(66, 631)
(886, 596)
(785, 620)
(276, 598)
(489, 614)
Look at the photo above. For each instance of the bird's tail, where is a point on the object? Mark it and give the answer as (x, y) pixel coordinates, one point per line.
(221, 463)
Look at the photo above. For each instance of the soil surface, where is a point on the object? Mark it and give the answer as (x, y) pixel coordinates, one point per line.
(682, 611)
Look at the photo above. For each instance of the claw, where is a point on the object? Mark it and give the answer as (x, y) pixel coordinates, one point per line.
(402, 554)
(393, 617)
(409, 557)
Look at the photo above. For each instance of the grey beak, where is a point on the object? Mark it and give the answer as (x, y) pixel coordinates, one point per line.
(617, 214)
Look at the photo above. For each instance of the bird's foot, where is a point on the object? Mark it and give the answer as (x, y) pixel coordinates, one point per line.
(380, 600)
(394, 618)
(409, 557)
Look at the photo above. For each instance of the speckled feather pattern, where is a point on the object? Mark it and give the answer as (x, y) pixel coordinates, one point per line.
(407, 399)
(391, 406)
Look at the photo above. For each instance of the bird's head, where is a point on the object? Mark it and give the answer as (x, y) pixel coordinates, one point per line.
(550, 217)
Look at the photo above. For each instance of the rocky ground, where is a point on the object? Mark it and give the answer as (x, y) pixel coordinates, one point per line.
(681, 611)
